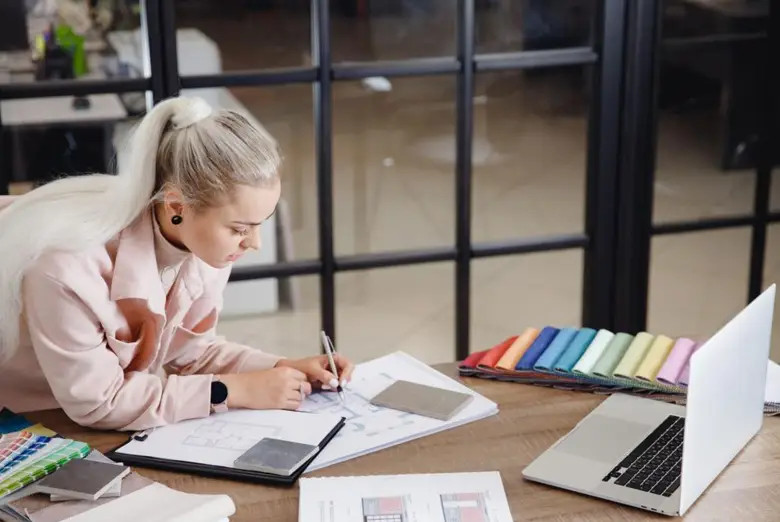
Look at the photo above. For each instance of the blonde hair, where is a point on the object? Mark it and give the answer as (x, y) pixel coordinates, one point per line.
(180, 143)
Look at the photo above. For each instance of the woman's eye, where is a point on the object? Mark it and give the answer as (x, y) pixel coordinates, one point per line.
(239, 232)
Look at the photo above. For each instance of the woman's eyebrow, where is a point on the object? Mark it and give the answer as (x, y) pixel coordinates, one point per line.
(246, 223)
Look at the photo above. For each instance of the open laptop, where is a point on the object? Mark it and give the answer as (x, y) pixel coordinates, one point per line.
(659, 456)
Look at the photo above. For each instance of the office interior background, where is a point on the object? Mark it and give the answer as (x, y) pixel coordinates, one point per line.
(455, 170)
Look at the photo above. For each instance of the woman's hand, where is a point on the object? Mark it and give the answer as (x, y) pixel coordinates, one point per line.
(278, 388)
(317, 370)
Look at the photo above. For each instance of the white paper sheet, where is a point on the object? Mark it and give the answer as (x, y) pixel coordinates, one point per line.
(220, 439)
(772, 383)
(371, 428)
(158, 503)
(445, 497)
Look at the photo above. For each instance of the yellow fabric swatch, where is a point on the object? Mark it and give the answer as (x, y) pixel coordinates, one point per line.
(655, 357)
(508, 361)
(635, 354)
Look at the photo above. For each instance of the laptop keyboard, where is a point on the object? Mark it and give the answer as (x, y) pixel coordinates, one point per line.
(655, 465)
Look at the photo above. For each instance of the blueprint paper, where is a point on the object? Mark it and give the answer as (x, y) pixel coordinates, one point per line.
(370, 428)
(220, 439)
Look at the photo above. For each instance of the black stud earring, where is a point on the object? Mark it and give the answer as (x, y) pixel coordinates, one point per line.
(176, 220)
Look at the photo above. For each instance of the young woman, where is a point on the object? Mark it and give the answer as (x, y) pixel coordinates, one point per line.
(110, 286)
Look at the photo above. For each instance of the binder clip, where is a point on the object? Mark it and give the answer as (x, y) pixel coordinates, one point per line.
(141, 436)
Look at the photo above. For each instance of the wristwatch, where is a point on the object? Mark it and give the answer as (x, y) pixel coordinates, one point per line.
(219, 395)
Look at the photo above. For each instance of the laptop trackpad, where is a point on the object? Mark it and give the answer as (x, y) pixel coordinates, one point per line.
(605, 439)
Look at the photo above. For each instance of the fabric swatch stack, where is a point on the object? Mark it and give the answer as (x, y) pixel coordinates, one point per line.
(600, 361)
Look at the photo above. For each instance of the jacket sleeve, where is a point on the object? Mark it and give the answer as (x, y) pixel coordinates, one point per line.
(86, 377)
(197, 349)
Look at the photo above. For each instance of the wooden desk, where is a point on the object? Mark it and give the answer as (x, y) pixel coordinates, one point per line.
(530, 420)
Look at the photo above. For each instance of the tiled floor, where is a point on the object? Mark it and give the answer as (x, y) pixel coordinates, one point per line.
(393, 189)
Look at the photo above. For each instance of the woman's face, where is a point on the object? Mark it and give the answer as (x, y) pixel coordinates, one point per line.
(220, 235)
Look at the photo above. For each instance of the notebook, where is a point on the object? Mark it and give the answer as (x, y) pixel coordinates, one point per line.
(210, 446)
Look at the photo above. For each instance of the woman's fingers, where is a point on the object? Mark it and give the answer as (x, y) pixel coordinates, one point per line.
(346, 367)
(294, 400)
(323, 375)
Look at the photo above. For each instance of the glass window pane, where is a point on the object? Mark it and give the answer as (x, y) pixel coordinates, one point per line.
(709, 113)
(527, 25)
(392, 30)
(214, 37)
(698, 281)
(401, 308)
(286, 112)
(509, 294)
(46, 138)
(772, 275)
(280, 316)
(529, 152)
(104, 43)
(394, 164)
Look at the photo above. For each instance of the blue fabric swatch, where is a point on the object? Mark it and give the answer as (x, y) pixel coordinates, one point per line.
(547, 360)
(575, 349)
(536, 349)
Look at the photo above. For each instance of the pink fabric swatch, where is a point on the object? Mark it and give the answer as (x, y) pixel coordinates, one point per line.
(676, 361)
(684, 374)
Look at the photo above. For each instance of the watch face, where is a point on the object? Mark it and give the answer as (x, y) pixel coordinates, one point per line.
(219, 392)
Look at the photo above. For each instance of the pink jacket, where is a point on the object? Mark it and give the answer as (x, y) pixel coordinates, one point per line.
(99, 340)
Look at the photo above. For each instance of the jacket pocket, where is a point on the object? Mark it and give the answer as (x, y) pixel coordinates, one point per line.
(125, 351)
(188, 346)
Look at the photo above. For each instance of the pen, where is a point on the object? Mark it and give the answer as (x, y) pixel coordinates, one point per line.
(326, 343)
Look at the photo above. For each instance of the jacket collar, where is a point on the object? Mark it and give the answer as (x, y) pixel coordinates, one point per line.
(136, 275)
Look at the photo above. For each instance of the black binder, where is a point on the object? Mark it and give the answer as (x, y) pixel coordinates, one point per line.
(218, 471)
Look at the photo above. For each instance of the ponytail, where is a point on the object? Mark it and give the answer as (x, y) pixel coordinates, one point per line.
(79, 212)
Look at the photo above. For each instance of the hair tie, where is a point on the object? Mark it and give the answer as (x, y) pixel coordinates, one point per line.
(189, 111)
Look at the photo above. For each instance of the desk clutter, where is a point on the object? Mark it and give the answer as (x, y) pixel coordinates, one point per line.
(599, 361)
(47, 478)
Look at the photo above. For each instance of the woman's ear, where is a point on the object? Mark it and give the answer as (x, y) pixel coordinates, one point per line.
(173, 201)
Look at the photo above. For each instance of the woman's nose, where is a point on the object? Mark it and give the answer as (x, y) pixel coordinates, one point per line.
(252, 241)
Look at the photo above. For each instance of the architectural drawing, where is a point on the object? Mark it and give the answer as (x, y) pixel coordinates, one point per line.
(357, 409)
(226, 435)
(371, 428)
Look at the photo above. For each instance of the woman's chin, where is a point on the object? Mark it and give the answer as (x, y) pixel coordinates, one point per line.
(223, 263)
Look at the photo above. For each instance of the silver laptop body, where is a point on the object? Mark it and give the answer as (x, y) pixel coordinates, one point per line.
(659, 456)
